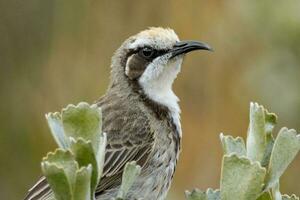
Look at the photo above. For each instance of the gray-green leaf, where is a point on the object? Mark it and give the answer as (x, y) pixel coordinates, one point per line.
(83, 121)
(57, 129)
(233, 145)
(84, 155)
(197, 194)
(265, 196)
(131, 171)
(286, 147)
(241, 179)
(213, 194)
(82, 188)
(256, 140)
(59, 168)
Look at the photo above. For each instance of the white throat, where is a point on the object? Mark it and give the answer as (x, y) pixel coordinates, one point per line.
(157, 81)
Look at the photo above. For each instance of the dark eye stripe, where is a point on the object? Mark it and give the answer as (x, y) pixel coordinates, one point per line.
(157, 53)
(161, 52)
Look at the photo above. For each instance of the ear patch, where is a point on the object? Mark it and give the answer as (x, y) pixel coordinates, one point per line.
(135, 66)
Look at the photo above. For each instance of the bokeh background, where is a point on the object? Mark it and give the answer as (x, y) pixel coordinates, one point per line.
(56, 52)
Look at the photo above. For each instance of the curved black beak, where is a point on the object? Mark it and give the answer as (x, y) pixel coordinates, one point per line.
(184, 47)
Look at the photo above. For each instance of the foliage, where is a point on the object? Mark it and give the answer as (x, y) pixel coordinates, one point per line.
(252, 171)
(75, 168)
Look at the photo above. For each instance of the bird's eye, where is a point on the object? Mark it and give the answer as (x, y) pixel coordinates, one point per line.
(146, 52)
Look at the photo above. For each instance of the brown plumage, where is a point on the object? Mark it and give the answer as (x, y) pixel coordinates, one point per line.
(140, 117)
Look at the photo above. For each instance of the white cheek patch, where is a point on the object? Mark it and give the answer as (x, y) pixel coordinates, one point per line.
(127, 68)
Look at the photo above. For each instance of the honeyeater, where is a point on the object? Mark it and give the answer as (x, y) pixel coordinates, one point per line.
(141, 116)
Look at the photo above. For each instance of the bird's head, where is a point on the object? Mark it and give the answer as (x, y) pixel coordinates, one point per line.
(152, 59)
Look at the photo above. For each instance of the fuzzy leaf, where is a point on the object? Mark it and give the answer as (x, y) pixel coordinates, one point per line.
(100, 154)
(261, 125)
(196, 194)
(276, 192)
(58, 181)
(67, 181)
(271, 120)
(241, 179)
(78, 128)
(83, 121)
(213, 194)
(57, 130)
(63, 159)
(82, 188)
(286, 147)
(266, 158)
(256, 142)
(84, 155)
(233, 145)
(59, 168)
(265, 196)
(131, 171)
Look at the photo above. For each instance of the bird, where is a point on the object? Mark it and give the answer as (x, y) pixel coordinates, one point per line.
(141, 115)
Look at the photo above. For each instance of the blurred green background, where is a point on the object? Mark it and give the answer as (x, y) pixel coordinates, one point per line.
(56, 52)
